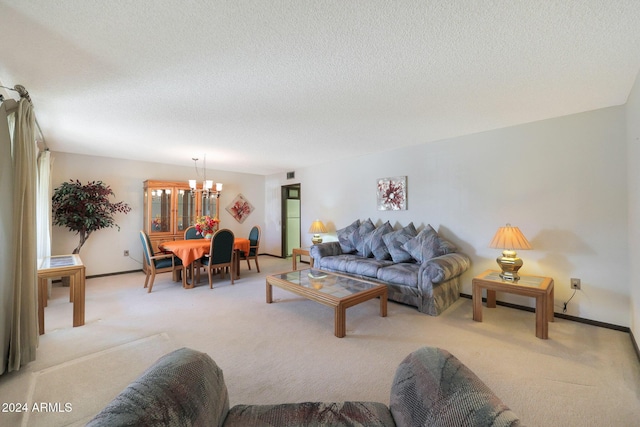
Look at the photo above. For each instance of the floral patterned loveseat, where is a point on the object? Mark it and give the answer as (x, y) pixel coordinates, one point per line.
(187, 388)
(420, 268)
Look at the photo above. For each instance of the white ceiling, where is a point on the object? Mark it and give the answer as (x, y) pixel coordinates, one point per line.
(270, 86)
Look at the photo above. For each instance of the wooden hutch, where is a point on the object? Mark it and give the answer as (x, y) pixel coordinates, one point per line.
(170, 207)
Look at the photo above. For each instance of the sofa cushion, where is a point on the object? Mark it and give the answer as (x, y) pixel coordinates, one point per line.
(365, 266)
(375, 245)
(360, 236)
(446, 247)
(336, 262)
(344, 237)
(424, 246)
(365, 414)
(396, 239)
(404, 273)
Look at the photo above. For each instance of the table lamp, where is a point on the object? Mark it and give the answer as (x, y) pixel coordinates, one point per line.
(316, 228)
(509, 239)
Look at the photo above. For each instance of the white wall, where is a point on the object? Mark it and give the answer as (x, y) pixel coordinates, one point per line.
(103, 252)
(562, 181)
(633, 142)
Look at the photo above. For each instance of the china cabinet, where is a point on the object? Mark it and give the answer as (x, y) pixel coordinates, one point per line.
(171, 207)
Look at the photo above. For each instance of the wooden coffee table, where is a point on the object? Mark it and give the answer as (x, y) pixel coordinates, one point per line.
(335, 290)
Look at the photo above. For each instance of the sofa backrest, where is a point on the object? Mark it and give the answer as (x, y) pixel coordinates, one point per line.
(433, 388)
(184, 387)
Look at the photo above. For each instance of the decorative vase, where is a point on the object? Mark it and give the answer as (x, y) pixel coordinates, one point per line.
(208, 236)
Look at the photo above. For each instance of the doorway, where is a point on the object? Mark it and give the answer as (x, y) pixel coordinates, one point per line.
(291, 229)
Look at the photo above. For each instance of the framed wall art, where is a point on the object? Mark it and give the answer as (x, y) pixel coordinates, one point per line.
(392, 193)
(240, 208)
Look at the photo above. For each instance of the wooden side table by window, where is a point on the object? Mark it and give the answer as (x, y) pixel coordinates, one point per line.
(62, 266)
(541, 288)
(298, 252)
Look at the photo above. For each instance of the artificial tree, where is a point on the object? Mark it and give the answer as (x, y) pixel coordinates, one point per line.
(84, 209)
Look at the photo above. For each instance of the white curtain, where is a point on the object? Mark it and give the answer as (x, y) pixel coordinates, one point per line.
(24, 316)
(7, 109)
(43, 207)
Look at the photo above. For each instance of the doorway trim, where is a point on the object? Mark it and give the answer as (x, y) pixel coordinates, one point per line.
(288, 192)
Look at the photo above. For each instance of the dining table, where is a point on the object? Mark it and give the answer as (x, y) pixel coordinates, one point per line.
(191, 250)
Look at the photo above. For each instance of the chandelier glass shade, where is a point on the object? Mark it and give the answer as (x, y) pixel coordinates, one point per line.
(207, 189)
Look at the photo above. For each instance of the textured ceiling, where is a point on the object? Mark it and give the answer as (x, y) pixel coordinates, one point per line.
(258, 86)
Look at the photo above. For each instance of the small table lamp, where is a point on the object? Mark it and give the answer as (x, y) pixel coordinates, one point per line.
(316, 228)
(509, 238)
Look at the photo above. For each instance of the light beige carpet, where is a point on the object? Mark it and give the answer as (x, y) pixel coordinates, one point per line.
(286, 351)
(93, 379)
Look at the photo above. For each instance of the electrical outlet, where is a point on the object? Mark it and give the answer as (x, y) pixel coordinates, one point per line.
(126, 253)
(575, 283)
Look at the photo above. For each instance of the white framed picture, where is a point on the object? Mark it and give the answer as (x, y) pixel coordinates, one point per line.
(392, 193)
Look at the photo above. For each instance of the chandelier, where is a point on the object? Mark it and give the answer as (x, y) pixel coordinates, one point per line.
(207, 189)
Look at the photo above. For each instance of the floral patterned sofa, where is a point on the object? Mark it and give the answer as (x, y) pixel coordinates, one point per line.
(187, 388)
(420, 268)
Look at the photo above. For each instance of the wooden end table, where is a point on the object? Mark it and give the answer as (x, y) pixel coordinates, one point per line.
(62, 266)
(298, 252)
(538, 287)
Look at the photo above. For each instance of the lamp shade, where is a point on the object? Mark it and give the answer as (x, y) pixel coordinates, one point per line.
(317, 227)
(509, 237)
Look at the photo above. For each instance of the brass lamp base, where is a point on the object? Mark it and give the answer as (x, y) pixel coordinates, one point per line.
(316, 239)
(509, 264)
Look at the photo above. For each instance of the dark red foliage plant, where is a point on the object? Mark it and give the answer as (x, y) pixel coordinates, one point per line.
(84, 209)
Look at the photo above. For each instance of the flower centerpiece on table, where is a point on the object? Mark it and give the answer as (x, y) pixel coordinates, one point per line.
(206, 226)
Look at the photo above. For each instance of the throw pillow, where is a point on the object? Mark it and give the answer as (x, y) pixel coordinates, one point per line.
(344, 237)
(396, 239)
(376, 244)
(446, 247)
(424, 246)
(360, 236)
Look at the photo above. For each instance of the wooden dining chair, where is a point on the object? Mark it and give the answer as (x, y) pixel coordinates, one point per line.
(189, 234)
(220, 256)
(157, 263)
(254, 245)
(192, 233)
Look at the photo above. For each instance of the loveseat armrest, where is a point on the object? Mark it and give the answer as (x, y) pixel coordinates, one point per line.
(432, 387)
(184, 387)
(324, 249)
(445, 267)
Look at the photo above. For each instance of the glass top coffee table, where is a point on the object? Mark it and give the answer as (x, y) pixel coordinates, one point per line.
(335, 290)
